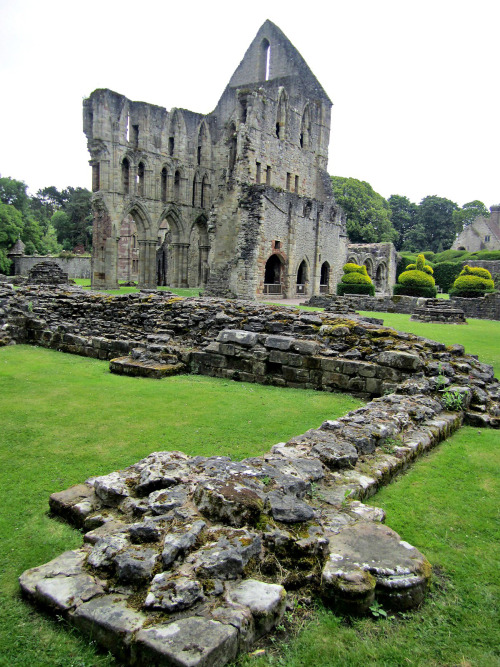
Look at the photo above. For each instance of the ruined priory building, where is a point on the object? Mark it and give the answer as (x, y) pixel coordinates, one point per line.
(237, 201)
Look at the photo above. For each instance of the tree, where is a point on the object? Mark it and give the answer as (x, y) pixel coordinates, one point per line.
(463, 217)
(368, 213)
(11, 225)
(434, 229)
(14, 193)
(403, 213)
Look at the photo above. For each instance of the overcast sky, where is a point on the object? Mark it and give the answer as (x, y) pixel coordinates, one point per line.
(415, 85)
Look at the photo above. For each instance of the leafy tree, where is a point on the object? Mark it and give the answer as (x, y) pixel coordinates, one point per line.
(11, 225)
(368, 213)
(403, 213)
(13, 192)
(463, 217)
(434, 229)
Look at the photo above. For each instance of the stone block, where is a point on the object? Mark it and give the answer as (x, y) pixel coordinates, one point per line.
(187, 642)
(267, 603)
(245, 338)
(279, 342)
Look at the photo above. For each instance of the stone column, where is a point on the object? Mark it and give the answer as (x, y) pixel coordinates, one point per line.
(111, 263)
(184, 265)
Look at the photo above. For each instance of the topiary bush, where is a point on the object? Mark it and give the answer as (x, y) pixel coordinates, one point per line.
(473, 282)
(417, 280)
(355, 281)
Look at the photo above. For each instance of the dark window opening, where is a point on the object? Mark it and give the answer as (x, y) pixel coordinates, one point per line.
(296, 184)
(243, 110)
(277, 245)
(307, 209)
(135, 136)
(195, 191)
(177, 184)
(288, 180)
(198, 157)
(126, 176)
(204, 192)
(95, 178)
(302, 276)
(258, 174)
(163, 182)
(140, 179)
(325, 273)
(278, 130)
(487, 239)
(171, 142)
(268, 176)
(233, 148)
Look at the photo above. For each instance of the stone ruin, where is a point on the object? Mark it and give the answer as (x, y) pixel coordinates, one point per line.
(439, 311)
(47, 273)
(189, 560)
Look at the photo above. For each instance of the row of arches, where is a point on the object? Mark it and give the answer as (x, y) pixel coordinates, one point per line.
(275, 274)
(377, 271)
(173, 184)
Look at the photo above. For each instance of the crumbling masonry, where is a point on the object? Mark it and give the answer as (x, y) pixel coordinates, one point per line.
(237, 201)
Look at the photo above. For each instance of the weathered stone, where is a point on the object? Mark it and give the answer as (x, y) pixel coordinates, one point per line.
(180, 542)
(400, 360)
(165, 500)
(245, 338)
(109, 620)
(188, 642)
(227, 557)
(135, 564)
(64, 592)
(75, 503)
(170, 593)
(105, 550)
(231, 502)
(267, 602)
(288, 508)
(144, 532)
(368, 559)
(68, 564)
(112, 488)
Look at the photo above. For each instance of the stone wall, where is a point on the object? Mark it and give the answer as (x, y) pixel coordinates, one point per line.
(484, 308)
(75, 267)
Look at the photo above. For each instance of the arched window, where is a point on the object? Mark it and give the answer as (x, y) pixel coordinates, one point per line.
(305, 138)
(302, 273)
(264, 60)
(281, 116)
(205, 186)
(126, 176)
(369, 266)
(163, 184)
(177, 185)
(202, 155)
(140, 179)
(233, 148)
(196, 188)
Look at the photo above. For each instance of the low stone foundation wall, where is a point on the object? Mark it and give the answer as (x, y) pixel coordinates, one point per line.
(484, 308)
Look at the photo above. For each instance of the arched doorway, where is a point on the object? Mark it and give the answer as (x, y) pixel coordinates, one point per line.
(381, 277)
(199, 247)
(324, 280)
(273, 275)
(369, 267)
(301, 286)
(128, 251)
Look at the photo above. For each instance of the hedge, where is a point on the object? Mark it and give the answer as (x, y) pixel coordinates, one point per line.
(421, 291)
(345, 288)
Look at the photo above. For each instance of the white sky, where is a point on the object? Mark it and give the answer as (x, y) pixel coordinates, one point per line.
(415, 84)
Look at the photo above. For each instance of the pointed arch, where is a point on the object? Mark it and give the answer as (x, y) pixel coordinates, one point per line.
(369, 266)
(274, 274)
(302, 277)
(205, 192)
(199, 248)
(305, 139)
(125, 168)
(177, 134)
(141, 218)
(282, 115)
(264, 60)
(203, 157)
(324, 280)
(172, 214)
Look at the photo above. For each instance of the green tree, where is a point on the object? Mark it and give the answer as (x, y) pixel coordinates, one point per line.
(463, 217)
(403, 213)
(11, 226)
(434, 229)
(368, 213)
(13, 192)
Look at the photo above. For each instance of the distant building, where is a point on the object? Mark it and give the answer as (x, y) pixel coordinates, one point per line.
(482, 234)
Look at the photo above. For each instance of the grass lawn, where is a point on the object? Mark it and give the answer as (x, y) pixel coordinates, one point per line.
(181, 291)
(65, 418)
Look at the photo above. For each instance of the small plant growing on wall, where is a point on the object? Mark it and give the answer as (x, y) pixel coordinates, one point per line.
(417, 280)
(355, 281)
(473, 281)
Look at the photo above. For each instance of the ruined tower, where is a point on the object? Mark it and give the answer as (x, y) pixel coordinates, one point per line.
(237, 201)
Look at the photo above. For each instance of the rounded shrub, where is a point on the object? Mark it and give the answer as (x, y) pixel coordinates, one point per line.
(417, 280)
(472, 282)
(355, 281)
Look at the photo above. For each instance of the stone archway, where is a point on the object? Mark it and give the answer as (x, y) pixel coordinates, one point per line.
(324, 280)
(171, 250)
(273, 275)
(302, 278)
(381, 277)
(199, 247)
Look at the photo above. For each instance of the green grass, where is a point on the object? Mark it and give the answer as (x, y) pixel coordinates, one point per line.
(65, 418)
(181, 291)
